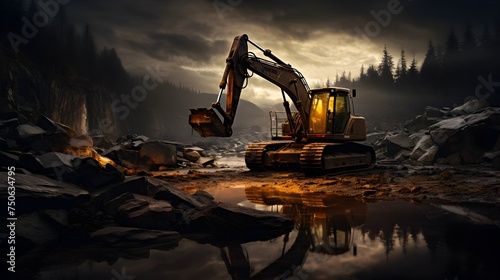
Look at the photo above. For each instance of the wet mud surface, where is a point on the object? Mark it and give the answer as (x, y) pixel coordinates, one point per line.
(470, 184)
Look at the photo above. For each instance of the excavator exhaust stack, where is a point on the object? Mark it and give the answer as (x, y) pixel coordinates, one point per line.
(207, 123)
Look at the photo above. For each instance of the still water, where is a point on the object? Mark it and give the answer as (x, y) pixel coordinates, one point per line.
(334, 238)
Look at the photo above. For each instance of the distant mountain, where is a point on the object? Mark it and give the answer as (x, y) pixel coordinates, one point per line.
(169, 107)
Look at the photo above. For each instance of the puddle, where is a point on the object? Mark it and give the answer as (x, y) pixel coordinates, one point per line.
(334, 238)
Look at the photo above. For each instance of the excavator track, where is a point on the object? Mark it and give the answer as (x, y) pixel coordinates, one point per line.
(313, 158)
(255, 152)
(253, 155)
(334, 158)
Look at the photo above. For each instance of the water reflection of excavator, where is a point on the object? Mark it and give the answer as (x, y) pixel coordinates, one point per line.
(319, 137)
(324, 225)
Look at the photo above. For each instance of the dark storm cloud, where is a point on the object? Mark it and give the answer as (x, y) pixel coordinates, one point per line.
(192, 38)
(418, 20)
(192, 46)
(184, 27)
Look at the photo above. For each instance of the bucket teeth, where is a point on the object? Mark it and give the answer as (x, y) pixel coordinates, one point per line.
(207, 123)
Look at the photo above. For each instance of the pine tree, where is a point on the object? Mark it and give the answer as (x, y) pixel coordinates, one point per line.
(401, 69)
(362, 75)
(430, 67)
(372, 74)
(452, 45)
(485, 39)
(413, 71)
(385, 67)
(469, 39)
(404, 69)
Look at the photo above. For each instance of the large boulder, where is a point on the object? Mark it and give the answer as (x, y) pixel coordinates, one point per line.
(468, 137)
(159, 154)
(395, 143)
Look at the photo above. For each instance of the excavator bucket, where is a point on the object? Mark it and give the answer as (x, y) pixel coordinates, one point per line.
(207, 123)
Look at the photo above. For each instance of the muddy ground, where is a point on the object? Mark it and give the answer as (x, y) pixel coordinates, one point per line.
(384, 182)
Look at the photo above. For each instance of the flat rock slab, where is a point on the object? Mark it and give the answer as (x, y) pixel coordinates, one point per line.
(222, 223)
(35, 192)
(134, 210)
(178, 198)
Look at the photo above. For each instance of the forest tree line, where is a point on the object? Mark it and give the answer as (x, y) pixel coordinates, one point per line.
(63, 52)
(58, 47)
(460, 68)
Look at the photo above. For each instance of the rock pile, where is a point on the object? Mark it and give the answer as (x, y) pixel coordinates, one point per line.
(69, 191)
(53, 149)
(467, 134)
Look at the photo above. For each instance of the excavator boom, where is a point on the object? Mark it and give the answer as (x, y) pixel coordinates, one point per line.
(206, 120)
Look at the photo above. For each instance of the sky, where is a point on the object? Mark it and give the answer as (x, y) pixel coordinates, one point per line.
(191, 39)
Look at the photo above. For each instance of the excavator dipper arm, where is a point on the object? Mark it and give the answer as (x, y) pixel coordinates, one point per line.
(207, 122)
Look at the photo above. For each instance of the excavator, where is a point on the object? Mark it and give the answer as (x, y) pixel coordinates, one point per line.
(319, 137)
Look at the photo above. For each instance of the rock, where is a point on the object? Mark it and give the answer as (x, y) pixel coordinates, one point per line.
(91, 174)
(203, 197)
(206, 161)
(57, 217)
(8, 125)
(53, 142)
(35, 192)
(200, 151)
(494, 159)
(123, 237)
(228, 223)
(178, 198)
(135, 210)
(131, 141)
(422, 147)
(433, 112)
(27, 130)
(31, 163)
(81, 141)
(429, 156)
(397, 142)
(127, 158)
(8, 159)
(36, 229)
(158, 153)
(419, 123)
(137, 185)
(102, 141)
(59, 166)
(469, 107)
(376, 139)
(52, 126)
(453, 159)
(191, 155)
